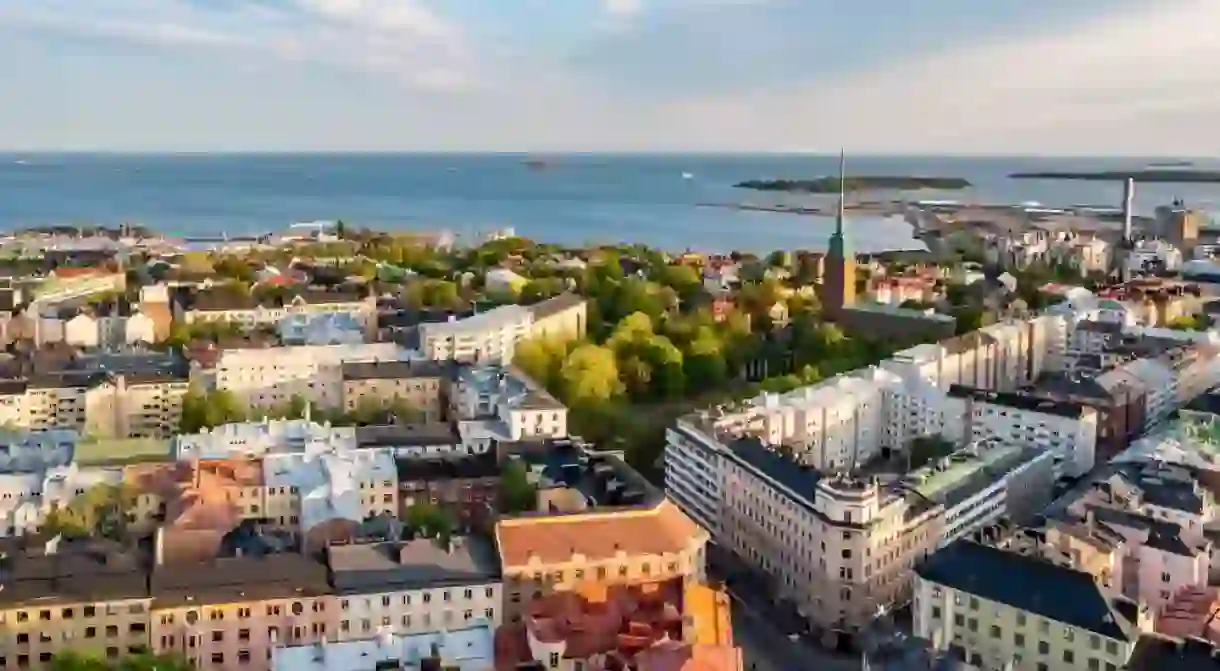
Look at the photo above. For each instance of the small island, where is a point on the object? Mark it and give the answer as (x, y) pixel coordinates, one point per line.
(1143, 175)
(857, 183)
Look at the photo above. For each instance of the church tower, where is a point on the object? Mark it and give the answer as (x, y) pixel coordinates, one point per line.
(839, 276)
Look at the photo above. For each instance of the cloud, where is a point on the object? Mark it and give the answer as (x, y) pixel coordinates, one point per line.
(401, 38)
(1051, 90)
(623, 8)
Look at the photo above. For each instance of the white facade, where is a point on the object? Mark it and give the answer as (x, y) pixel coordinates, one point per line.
(468, 649)
(490, 336)
(1154, 251)
(256, 439)
(272, 376)
(1067, 431)
(501, 403)
(140, 328)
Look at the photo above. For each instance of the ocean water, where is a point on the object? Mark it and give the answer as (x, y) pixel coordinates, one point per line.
(578, 199)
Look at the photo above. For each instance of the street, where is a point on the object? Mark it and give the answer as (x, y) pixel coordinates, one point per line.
(767, 649)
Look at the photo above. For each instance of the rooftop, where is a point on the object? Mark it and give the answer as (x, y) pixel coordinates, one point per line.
(600, 477)
(1032, 585)
(379, 370)
(555, 305)
(413, 564)
(467, 649)
(597, 536)
(1021, 401)
(276, 576)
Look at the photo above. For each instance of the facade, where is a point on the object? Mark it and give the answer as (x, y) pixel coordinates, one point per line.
(542, 555)
(272, 376)
(231, 613)
(415, 587)
(1001, 608)
(466, 486)
(495, 404)
(91, 597)
(214, 307)
(464, 649)
(842, 546)
(99, 404)
(417, 384)
(1067, 429)
(492, 336)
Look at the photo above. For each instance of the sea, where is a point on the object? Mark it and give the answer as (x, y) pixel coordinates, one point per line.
(658, 200)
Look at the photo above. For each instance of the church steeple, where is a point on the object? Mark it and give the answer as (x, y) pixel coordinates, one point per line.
(839, 278)
(838, 240)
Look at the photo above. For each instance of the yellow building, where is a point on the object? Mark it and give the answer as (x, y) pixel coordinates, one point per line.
(417, 384)
(545, 554)
(87, 596)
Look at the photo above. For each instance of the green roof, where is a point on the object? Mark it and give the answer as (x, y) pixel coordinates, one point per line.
(117, 451)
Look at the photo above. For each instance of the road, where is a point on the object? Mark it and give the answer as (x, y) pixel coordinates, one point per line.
(767, 649)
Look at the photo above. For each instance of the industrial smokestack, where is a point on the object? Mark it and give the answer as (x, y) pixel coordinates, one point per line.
(1128, 203)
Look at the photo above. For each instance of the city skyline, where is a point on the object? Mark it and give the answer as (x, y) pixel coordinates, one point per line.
(619, 75)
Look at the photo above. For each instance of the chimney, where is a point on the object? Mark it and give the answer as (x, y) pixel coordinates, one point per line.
(1128, 204)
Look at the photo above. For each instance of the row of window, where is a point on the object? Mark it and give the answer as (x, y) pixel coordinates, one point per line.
(68, 613)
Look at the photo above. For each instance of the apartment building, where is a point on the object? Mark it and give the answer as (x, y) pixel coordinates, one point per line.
(413, 441)
(1003, 608)
(417, 384)
(217, 306)
(466, 486)
(468, 649)
(834, 425)
(492, 336)
(541, 555)
(840, 546)
(28, 495)
(100, 404)
(326, 492)
(326, 328)
(256, 439)
(999, 357)
(272, 376)
(415, 587)
(231, 613)
(87, 596)
(1065, 428)
(497, 404)
(483, 337)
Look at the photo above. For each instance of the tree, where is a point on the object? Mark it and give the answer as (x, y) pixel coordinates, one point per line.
(520, 495)
(704, 362)
(541, 359)
(202, 410)
(430, 521)
(74, 661)
(589, 376)
(925, 449)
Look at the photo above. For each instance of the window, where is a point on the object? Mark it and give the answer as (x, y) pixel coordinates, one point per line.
(90, 611)
(44, 615)
(298, 608)
(554, 660)
(1095, 642)
(90, 632)
(1018, 640)
(112, 630)
(1094, 664)
(218, 636)
(218, 658)
(243, 656)
(1164, 577)
(974, 603)
(1111, 648)
(935, 612)
(995, 631)
(23, 616)
(1044, 648)
(972, 624)
(1020, 619)
(243, 634)
(1069, 657)
(22, 639)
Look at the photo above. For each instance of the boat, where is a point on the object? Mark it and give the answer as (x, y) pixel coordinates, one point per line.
(535, 163)
(687, 175)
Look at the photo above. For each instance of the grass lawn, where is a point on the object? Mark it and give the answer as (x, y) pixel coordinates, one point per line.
(117, 452)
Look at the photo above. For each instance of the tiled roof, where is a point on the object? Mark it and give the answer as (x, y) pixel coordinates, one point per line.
(552, 539)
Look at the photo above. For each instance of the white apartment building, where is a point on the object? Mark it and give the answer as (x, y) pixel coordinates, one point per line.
(27, 497)
(325, 484)
(101, 405)
(492, 336)
(1065, 429)
(465, 649)
(272, 376)
(1002, 357)
(834, 425)
(1151, 253)
(1009, 610)
(251, 440)
(245, 311)
(495, 403)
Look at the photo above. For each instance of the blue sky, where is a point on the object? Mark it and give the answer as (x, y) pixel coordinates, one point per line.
(961, 76)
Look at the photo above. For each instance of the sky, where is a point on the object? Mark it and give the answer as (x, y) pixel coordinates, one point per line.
(1068, 77)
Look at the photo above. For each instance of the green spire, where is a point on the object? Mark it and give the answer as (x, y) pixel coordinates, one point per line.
(838, 241)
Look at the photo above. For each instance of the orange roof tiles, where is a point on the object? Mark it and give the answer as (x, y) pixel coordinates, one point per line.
(597, 536)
